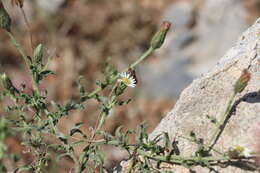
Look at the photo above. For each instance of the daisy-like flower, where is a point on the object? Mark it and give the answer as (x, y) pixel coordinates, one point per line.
(127, 79)
(243, 151)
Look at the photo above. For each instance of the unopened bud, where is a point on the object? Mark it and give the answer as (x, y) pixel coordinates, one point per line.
(5, 20)
(242, 82)
(159, 37)
(7, 83)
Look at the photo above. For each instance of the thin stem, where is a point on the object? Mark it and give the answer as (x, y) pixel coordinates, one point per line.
(139, 60)
(179, 159)
(102, 116)
(27, 61)
(76, 161)
(28, 27)
(19, 48)
(223, 118)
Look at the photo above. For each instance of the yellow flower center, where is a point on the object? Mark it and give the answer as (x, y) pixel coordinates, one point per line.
(239, 149)
(126, 81)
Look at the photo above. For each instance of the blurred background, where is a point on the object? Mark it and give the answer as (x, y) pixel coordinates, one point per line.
(81, 35)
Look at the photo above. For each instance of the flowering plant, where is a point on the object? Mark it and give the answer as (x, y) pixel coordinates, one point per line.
(36, 119)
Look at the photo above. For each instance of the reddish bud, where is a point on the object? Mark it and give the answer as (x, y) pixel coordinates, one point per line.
(242, 82)
(159, 37)
(165, 26)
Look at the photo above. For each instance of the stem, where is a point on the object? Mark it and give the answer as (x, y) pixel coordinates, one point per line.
(77, 167)
(173, 158)
(179, 159)
(133, 65)
(220, 125)
(139, 60)
(19, 48)
(28, 27)
(27, 61)
(102, 117)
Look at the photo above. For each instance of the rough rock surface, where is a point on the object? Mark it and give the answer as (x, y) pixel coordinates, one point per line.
(209, 94)
(199, 36)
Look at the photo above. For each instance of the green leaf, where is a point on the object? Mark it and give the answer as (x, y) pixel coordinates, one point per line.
(118, 131)
(63, 138)
(121, 103)
(46, 72)
(76, 129)
(38, 54)
(166, 139)
(101, 84)
(142, 136)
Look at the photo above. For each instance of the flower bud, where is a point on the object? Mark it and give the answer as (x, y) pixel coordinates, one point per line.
(7, 83)
(242, 82)
(159, 37)
(5, 20)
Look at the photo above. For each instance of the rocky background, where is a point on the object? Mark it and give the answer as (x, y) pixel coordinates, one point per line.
(209, 94)
(82, 34)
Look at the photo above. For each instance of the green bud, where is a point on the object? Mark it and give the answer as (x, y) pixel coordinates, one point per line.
(120, 89)
(159, 37)
(7, 83)
(5, 20)
(242, 82)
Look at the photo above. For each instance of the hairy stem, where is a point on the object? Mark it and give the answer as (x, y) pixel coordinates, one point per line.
(28, 27)
(27, 61)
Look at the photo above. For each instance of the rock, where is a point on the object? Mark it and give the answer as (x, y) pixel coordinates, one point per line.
(219, 23)
(209, 94)
(170, 60)
(191, 51)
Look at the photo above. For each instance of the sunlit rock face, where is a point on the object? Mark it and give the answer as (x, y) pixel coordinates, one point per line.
(208, 95)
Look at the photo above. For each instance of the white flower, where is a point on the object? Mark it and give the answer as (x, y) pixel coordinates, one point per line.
(244, 151)
(127, 79)
(247, 152)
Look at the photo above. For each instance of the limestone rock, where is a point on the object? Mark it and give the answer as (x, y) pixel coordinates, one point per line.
(209, 94)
